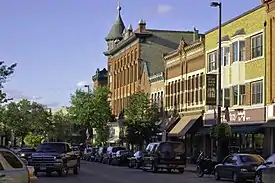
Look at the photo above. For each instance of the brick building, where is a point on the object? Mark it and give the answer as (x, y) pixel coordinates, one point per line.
(100, 78)
(270, 75)
(243, 76)
(134, 56)
(184, 89)
(157, 89)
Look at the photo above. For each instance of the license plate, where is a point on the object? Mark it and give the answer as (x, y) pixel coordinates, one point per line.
(177, 157)
(42, 168)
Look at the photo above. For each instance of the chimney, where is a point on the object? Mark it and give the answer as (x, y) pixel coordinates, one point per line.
(195, 34)
(141, 26)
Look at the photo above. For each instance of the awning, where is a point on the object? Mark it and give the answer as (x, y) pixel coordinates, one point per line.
(113, 140)
(255, 128)
(269, 124)
(182, 127)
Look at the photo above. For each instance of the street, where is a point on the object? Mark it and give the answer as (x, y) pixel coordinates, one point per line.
(98, 173)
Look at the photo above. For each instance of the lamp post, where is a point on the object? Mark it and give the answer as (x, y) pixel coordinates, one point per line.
(88, 87)
(219, 5)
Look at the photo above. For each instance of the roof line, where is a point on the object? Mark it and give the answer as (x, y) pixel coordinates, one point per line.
(236, 18)
(160, 30)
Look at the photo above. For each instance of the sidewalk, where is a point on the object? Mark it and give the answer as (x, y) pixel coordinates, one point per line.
(190, 168)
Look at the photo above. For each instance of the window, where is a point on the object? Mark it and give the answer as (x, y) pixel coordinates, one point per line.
(12, 160)
(242, 95)
(235, 95)
(238, 51)
(257, 92)
(225, 56)
(226, 97)
(212, 61)
(257, 46)
(242, 51)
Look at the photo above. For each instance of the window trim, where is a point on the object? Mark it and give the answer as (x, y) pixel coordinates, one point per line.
(238, 50)
(223, 56)
(216, 60)
(251, 45)
(238, 94)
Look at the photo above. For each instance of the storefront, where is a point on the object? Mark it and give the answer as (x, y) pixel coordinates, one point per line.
(269, 129)
(247, 130)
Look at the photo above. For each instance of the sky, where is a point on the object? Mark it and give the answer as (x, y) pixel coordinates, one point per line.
(59, 44)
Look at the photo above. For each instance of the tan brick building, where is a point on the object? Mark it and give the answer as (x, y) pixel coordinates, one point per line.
(157, 90)
(134, 56)
(184, 89)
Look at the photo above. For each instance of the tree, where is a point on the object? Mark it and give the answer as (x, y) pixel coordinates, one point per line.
(33, 140)
(92, 110)
(141, 117)
(61, 130)
(5, 73)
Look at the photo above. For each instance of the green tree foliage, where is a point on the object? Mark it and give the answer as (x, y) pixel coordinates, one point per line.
(141, 117)
(61, 129)
(5, 73)
(92, 110)
(33, 140)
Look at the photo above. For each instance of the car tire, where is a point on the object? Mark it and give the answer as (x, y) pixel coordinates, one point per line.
(77, 168)
(64, 171)
(137, 166)
(258, 178)
(181, 170)
(154, 168)
(48, 174)
(169, 170)
(199, 171)
(217, 175)
(235, 177)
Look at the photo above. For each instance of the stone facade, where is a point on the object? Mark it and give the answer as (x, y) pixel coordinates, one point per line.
(243, 60)
(184, 73)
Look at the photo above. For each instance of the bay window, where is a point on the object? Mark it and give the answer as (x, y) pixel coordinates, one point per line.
(212, 61)
(225, 56)
(238, 51)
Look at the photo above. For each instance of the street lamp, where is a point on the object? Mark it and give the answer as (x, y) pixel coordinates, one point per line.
(219, 5)
(88, 87)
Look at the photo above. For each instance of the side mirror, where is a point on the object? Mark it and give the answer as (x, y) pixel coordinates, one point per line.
(267, 163)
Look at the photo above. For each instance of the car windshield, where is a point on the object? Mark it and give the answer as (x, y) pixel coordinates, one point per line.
(251, 159)
(172, 147)
(27, 150)
(115, 149)
(51, 147)
(75, 149)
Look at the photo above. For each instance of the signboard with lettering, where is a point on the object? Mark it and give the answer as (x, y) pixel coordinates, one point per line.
(211, 89)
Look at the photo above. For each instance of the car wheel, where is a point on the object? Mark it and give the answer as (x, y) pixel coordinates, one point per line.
(63, 172)
(154, 168)
(137, 165)
(77, 168)
(235, 177)
(48, 174)
(199, 171)
(258, 178)
(169, 170)
(217, 175)
(181, 170)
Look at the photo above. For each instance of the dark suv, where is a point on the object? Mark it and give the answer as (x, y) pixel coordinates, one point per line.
(164, 155)
(55, 157)
(100, 153)
(111, 153)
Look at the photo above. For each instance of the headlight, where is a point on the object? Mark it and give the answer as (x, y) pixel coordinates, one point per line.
(243, 170)
(22, 154)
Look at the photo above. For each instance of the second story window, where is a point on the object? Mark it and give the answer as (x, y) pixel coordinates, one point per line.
(225, 56)
(226, 93)
(238, 51)
(257, 92)
(235, 95)
(242, 95)
(257, 46)
(212, 61)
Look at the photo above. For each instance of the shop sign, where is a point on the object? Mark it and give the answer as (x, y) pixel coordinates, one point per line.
(211, 89)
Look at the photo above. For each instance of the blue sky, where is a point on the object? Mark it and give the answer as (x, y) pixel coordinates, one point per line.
(59, 43)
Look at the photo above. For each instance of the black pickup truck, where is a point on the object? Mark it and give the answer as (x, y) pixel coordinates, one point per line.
(55, 157)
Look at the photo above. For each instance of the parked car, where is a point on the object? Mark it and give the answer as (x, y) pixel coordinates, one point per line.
(12, 167)
(33, 178)
(164, 155)
(26, 152)
(76, 150)
(100, 153)
(121, 157)
(15, 149)
(87, 154)
(110, 153)
(238, 167)
(55, 157)
(136, 160)
(266, 171)
(93, 154)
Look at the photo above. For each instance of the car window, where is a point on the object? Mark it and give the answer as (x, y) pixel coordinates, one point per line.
(229, 159)
(51, 147)
(12, 160)
(171, 147)
(27, 150)
(1, 167)
(149, 148)
(115, 149)
(271, 158)
(251, 159)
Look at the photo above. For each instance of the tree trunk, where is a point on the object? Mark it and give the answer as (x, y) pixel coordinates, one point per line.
(22, 141)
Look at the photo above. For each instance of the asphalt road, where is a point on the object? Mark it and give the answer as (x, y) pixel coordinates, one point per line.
(99, 173)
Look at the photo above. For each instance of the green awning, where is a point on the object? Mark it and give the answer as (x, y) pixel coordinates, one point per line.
(269, 124)
(247, 128)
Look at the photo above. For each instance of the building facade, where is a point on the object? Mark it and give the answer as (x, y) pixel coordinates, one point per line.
(100, 78)
(157, 90)
(184, 89)
(270, 75)
(243, 76)
(134, 56)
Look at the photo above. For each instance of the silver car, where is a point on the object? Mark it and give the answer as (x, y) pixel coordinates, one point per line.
(12, 168)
